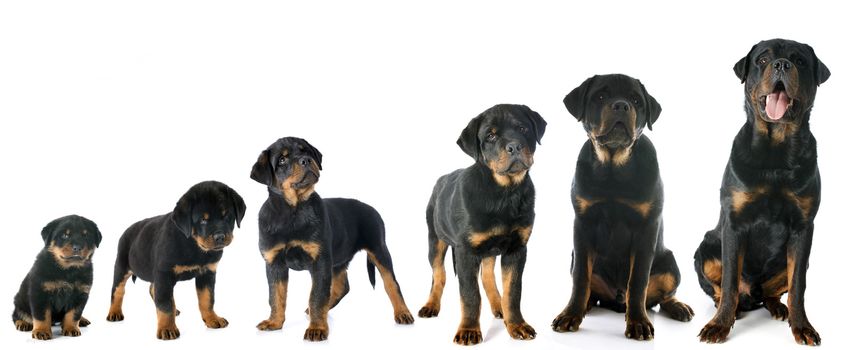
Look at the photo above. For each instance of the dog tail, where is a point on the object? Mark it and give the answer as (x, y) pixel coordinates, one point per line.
(371, 272)
(453, 252)
(133, 277)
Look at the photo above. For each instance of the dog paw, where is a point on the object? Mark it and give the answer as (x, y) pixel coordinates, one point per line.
(115, 316)
(168, 333)
(71, 332)
(270, 325)
(23, 326)
(640, 329)
(776, 309)
(678, 310)
(316, 334)
(429, 310)
(806, 335)
(403, 317)
(84, 322)
(714, 332)
(42, 334)
(566, 323)
(216, 322)
(522, 331)
(468, 336)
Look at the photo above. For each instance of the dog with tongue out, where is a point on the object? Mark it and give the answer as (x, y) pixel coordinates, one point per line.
(770, 195)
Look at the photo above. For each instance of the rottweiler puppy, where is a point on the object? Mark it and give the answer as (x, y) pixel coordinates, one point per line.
(184, 244)
(619, 259)
(301, 231)
(56, 289)
(485, 210)
(769, 197)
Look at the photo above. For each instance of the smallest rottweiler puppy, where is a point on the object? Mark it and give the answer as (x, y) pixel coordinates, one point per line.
(58, 283)
(184, 244)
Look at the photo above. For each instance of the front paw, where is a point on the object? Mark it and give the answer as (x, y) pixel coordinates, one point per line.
(42, 334)
(71, 332)
(84, 322)
(216, 322)
(168, 333)
(403, 317)
(468, 336)
(521, 331)
(640, 329)
(23, 326)
(429, 310)
(715, 332)
(270, 325)
(316, 334)
(678, 310)
(115, 316)
(566, 323)
(806, 335)
(776, 309)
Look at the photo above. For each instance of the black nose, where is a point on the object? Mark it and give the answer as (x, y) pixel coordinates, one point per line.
(219, 238)
(76, 249)
(514, 147)
(782, 64)
(304, 161)
(620, 105)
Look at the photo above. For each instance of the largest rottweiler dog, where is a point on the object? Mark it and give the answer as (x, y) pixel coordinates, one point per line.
(619, 258)
(485, 210)
(57, 287)
(301, 231)
(770, 194)
(184, 244)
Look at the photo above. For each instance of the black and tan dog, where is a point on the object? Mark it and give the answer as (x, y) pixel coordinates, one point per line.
(184, 244)
(483, 211)
(301, 231)
(619, 258)
(57, 287)
(770, 195)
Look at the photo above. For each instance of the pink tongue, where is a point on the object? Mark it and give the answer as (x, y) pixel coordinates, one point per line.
(776, 104)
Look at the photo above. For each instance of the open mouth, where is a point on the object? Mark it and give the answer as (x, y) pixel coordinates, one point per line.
(776, 104)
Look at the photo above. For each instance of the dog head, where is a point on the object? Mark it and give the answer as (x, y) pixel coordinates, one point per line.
(503, 138)
(71, 240)
(289, 167)
(207, 213)
(614, 109)
(781, 78)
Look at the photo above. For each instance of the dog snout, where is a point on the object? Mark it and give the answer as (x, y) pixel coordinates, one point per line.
(305, 161)
(514, 148)
(76, 249)
(219, 237)
(782, 65)
(620, 106)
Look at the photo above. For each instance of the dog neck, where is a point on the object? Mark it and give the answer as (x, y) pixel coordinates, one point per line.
(605, 156)
(293, 197)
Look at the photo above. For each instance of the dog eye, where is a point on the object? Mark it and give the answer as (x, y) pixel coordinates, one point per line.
(800, 62)
(763, 60)
(600, 97)
(491, 137)
(66, 235)
(203, 221)
(523, 129)
(635, 101)
(282, 160)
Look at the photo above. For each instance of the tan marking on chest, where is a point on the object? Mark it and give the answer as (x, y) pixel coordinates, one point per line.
(57, 286)
(804, 203)
(524, 232)
(584, 204)
(643, 208)
(311, 248)
(477, 238)
(199, 269)
(740, 199)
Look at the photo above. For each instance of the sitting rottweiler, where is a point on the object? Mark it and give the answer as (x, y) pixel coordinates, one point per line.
(184, 244)
(301, 231)
(485, 210)
(57, 287)
(619, 259)
(769, 197)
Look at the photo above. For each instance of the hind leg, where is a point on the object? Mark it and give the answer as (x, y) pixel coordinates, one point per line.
(382, 259)
(437, 252)
(117, 297)
(339, 287)
(23, 321)
(772, 291)
(663, 282)
(490, 284)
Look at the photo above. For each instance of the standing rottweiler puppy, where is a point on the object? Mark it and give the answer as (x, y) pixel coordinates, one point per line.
(301, 231)
(619, 258)
(184, 244)
(57, 287)
(483, 211)
(769, 197)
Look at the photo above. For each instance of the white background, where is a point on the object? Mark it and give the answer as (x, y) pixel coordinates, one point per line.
(112, 109)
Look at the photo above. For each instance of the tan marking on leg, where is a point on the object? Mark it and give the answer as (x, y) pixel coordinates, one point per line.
(277, 309)
(524, 232)
(115, 311)
(660, 287)
(400, 310)
(338, 287)
(805, 203)
(507, 275)
(205, 306)
(791, 271)
(776, 285)
(70, 326)
(490, 284)
(41, 328)
(166, 327)
(439, 279)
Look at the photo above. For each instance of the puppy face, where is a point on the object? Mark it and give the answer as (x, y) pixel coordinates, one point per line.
(207, 213)
(781, 77)
(614, 110)
(291, 167)
(504, 138)
(71, 240)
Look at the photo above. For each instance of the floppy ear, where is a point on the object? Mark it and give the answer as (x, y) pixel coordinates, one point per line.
(821, 72)
(469, 138)
(47, 231)
(743, 65)
(652, 107)
(537, 121)
(97, 233)
(262, 169)
(575, 101)
(182, 215)
(314, 152)
(238, 203)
